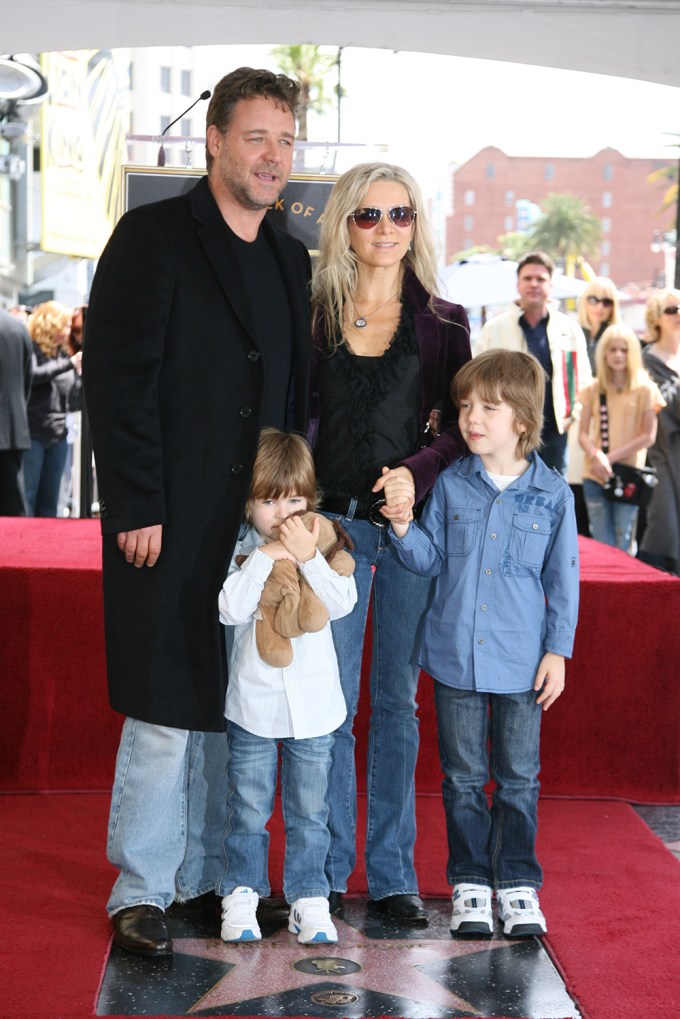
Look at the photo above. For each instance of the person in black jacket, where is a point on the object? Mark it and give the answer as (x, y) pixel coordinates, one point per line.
(15, 387)
(56, 390)
(198, 336)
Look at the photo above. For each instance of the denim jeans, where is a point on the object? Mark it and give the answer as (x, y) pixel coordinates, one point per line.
(253, 763)
(43, 467)
(554, 452)
(399, 601)
(611, 523)
(492, 846)
(167, 815)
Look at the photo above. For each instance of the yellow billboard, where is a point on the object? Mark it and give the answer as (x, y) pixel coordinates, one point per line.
(82, 149)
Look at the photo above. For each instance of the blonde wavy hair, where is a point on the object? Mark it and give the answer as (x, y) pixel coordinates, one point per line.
(335, 272)
(601, 286)
(635, 373)
(654, 311)
(45, 324)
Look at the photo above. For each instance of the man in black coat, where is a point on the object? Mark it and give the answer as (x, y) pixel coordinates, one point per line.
(198, 336)
(15, 387)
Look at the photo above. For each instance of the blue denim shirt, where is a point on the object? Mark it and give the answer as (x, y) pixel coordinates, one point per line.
(507, 584)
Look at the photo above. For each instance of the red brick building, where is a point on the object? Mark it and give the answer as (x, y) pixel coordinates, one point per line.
(493, 194)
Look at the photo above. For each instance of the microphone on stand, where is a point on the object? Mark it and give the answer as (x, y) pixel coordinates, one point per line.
(161, 152)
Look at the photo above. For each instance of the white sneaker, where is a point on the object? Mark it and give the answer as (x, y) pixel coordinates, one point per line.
(239, 919)
(520, 913)
(311, 920)
(472, 910)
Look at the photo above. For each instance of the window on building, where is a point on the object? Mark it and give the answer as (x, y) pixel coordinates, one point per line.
(186, 83)
(607, 171)
(604, 268)
(469, 198)
(606, 224)
(467, 243)
(605, 248)
(165, 79)
(607, 199)
(510, 198)
(490, 171)
(509, 224)
(165, 122)
(185, 126)
(468, 222)
(549, 171)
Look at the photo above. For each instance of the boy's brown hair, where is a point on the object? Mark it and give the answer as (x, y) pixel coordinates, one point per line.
(515, 378)
(284, 465)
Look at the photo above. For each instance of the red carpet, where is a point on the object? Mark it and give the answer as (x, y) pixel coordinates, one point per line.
(614, 732)
(612, 898)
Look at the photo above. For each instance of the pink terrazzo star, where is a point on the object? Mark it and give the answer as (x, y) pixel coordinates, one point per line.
(387, 966)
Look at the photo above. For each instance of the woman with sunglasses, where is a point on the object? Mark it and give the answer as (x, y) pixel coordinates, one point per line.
(660, 544)
(597, 308)
(385, 351)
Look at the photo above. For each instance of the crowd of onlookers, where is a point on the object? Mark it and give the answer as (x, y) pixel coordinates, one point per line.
(40, 392)
(637, 383)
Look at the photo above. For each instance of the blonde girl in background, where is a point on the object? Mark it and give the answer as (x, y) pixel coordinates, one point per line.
(632, 401)
(597, 308)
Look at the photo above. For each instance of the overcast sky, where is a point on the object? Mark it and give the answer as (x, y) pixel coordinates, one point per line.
(435, 110)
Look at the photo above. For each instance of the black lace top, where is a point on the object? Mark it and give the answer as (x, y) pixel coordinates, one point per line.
(370, 412)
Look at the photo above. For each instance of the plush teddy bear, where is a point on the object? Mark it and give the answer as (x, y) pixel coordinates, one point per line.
(288, 605)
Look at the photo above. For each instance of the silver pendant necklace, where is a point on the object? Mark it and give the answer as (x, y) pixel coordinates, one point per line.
(361, 321)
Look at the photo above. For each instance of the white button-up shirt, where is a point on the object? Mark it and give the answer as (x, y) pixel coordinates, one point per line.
(303, 699)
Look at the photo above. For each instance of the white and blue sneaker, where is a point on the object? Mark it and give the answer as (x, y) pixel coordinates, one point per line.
(472, 916)
(520, 913)
(239, 915)
(311, 920)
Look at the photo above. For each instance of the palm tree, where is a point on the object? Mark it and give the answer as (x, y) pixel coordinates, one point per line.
(670, 176)
(311, 67)
(566, 230)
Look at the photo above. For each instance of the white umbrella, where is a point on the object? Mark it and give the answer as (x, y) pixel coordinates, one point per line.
(487, 280)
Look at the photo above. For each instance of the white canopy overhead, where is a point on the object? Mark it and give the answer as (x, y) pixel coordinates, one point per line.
(629, 38)
(485, 281)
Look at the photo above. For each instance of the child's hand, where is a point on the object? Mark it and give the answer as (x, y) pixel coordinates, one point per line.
(549, 679)
(300, 542)
(276, 550)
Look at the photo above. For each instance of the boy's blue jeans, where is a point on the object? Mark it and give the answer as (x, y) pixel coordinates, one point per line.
(497, 735)
(251, 781)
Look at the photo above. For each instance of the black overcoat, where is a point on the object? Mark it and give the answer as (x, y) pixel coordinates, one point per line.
(174, 385)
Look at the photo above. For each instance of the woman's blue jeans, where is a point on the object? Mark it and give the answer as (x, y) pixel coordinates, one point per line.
(252, 768)
(611, 523)
(484, 735)
(399, 601)
(44, 465)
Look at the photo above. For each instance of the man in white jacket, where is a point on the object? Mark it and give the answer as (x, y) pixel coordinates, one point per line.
(534, 325)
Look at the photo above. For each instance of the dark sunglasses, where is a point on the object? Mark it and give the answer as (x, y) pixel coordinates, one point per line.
(606, 302)
(673, 310)
(400, 215)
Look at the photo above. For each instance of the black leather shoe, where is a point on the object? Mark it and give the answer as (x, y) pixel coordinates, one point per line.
(143, 930)
(406, 907)
(334, 901)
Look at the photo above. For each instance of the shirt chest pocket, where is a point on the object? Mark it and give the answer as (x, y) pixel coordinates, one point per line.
(529, 539)
(461, 530)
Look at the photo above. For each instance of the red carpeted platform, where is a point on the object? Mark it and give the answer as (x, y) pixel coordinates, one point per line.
(611, 896)
(613, 733)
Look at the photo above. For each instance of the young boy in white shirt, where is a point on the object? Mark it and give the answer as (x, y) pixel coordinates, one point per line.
(499, 534)
(297, 706)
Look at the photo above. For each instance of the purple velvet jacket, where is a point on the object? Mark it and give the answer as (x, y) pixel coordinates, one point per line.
(444, 345)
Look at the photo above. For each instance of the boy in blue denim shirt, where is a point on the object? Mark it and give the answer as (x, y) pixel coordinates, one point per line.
(499, 534)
